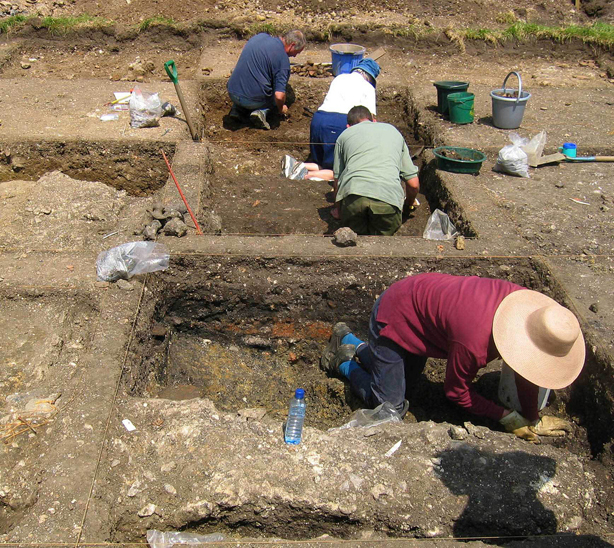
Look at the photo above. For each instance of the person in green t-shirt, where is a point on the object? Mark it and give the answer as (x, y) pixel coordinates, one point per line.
(374, 175)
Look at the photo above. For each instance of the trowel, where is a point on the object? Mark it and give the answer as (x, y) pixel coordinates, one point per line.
(560, 157)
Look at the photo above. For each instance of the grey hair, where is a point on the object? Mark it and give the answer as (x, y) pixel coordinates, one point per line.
(366, 76)
(296, 38)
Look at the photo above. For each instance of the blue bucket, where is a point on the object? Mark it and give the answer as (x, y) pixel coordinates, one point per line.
(346, 57)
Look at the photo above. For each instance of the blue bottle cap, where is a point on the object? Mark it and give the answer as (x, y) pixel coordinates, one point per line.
(299, 394)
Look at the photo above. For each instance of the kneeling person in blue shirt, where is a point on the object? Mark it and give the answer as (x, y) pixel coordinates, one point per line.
(258, 82)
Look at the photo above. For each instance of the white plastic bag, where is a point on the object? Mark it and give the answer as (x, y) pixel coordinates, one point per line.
(512, 159)
(535, 148)
(126, 260)
(145, 109)
(162, 539)
(439, 227)
(366, 418)
(291, 168)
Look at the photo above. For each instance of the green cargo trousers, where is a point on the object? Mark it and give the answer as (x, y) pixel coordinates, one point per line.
(370, 217)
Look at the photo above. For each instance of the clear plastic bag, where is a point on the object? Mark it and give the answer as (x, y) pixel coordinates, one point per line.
(512, 159)
(367, 418)
(145, 109)
(291, 168)
(439, 227)
(535, 147)
(127, 260)
(166, 539)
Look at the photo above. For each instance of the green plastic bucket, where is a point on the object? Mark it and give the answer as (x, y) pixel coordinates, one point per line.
(461, 107)
(444, 89)
(459, 159)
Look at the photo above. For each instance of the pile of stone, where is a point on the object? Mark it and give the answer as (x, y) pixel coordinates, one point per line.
(313, 70)
(170, 221)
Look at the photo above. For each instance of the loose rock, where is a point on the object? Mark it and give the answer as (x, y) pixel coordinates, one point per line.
(125, 285)
(344, 237)
(175, 227)
(457, 432)
(254, 413)
(151, 230)
(158, 331)
(147, 511)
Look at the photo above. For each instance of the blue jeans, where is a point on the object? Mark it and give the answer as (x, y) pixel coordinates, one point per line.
(249, 105)
(384, 368)
(323, 132)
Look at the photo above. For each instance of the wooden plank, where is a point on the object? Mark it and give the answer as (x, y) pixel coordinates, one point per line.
(379, 52)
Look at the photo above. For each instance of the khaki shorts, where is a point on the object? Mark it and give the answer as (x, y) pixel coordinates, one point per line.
(368, 216)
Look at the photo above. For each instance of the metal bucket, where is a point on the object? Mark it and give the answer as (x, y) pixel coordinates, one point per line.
(508, 105)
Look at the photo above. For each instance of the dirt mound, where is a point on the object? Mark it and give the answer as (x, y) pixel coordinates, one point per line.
(439, 13)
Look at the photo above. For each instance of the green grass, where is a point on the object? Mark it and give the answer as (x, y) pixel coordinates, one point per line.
(269, 28)
(8, 23)
(62, 25)
(478, 34)
(598, 33)
(158, 20)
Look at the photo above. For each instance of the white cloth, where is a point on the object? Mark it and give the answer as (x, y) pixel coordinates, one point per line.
(347, 91)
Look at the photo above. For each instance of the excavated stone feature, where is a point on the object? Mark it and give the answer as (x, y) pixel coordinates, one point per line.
(233, 473)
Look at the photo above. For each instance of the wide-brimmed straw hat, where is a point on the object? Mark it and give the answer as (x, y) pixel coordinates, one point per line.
(539, 339)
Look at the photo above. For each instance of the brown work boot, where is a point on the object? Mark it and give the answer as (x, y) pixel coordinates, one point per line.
(340, 330)
(345, 353)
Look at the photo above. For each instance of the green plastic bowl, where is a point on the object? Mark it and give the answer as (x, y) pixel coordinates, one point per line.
(459, 160)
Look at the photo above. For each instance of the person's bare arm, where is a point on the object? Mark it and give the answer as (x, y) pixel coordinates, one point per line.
(412, 186)
(280, 101)
(336, 211)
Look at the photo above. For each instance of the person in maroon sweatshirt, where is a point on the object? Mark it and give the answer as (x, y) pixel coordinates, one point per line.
(469, 321)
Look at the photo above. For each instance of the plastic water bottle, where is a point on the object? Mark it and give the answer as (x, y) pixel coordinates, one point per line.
(296, 417)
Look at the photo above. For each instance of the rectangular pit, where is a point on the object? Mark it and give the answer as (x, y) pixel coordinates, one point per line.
(246, 332)
(246, 188)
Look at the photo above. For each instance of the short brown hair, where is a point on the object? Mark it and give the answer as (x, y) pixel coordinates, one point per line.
(359, 114)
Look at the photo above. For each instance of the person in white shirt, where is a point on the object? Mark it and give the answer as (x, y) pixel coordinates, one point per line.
(346, 91)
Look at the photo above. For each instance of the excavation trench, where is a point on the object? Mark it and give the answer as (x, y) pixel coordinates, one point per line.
(243, 333)
(247, 189)
(246, 332)
(137, 168)
(46, 337)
